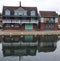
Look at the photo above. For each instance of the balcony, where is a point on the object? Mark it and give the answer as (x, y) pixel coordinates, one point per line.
(11, 21)
(20, 21)
(6, 21)
(29, 21)
(15, 21)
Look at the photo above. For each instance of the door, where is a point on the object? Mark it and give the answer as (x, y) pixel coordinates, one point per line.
(28, 26)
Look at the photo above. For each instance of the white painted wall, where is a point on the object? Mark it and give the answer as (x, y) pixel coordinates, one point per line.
(42, 20)
(15, 21)
(56, 20)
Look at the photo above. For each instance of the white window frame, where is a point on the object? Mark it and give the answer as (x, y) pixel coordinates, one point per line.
(15, 12)
(25, 13)
(33, 13)
(7, 12)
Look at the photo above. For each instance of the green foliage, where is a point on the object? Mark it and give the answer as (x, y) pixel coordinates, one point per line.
(0, 15)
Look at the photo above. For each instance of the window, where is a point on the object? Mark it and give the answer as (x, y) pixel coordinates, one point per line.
(15, 12)
(33, 19)
(7, 25)
(32, 13)
(16, 25)
(25, 13)
(7, 12)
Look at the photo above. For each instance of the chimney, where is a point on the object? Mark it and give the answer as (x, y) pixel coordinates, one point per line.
(20, 3)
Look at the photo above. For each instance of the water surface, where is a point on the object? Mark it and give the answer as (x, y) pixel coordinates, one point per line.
(29, 48)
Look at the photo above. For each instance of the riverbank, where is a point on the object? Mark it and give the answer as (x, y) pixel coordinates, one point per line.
(18, 32)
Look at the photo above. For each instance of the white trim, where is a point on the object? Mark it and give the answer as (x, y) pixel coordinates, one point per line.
(33, 13)
(42, 20)
(6, 21)
(21, 44)
(7, 12)
(31, 21)
(56, 20)
(15, 21)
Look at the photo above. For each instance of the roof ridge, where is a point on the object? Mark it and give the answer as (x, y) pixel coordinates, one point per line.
(21, 6)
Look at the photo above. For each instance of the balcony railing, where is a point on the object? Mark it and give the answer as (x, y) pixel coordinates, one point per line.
(6, 21)
(29, 21)
(20, 21)
(15, 21)
(11, 21)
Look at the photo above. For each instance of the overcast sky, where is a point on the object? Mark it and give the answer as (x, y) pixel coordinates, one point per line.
(42, 5)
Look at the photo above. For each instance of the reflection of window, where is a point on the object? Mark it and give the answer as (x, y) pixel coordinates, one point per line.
(28, 38)
(7, 12)
(16, 39)
(32, 13)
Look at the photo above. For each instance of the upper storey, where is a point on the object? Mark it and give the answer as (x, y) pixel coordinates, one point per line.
(48, 16)
(10, 11)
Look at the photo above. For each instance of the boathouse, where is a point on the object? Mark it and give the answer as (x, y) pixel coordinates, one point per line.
(20, 18)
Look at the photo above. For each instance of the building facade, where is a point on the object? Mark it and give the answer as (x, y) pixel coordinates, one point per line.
(21, 18)
(27, 18)
(48, 20)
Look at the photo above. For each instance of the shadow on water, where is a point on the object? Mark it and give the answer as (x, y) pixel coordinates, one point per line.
(28, 45)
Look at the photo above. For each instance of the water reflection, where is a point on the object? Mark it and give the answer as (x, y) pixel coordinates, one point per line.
(28, 45)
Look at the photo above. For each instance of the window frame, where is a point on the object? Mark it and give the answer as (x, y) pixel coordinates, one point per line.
(7, 12)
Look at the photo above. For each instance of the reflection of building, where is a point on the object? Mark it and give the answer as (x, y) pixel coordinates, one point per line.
(48, 20)
(19, 46)
(28, 45)
(47, 43)
(19, 50)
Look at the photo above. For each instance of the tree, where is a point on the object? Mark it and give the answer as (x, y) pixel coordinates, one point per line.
(0, 15)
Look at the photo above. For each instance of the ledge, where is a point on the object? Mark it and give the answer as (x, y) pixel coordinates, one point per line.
(18, 32)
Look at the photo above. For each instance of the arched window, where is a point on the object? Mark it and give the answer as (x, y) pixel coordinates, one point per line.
(33, 13)
(7, 12)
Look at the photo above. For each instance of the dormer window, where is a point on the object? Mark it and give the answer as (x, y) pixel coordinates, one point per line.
(21, 13)
(7, 12)
(33, 13)
(15, 12)
(25, 13)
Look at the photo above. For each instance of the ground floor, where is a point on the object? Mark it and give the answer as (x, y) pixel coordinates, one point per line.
(16, 26)
(48, 26)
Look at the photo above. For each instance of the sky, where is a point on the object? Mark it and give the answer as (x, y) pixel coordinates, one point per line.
(42, 5)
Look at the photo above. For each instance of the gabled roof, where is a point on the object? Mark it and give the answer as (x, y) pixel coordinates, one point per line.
(12, 8)
(48, 13)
